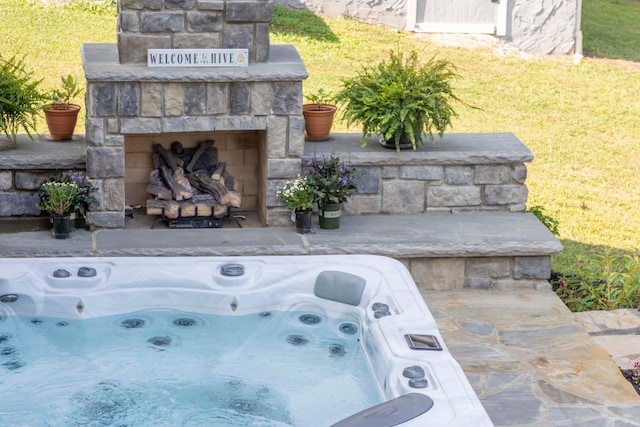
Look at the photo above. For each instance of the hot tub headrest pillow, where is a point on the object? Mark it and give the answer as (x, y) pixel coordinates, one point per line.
(339, 286)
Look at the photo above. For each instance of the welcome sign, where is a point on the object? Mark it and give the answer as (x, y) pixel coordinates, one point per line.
(197, 57)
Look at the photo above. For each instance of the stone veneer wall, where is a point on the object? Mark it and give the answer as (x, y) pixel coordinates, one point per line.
(461, 173)
(24, 168)
(192, 24)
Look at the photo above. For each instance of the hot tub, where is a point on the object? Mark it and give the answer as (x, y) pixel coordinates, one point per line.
(305, 341)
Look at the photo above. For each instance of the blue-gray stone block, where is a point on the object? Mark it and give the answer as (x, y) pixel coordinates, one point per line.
(158, 22)
(104, 99)
(179, 4)
(532, 268)
(105, 162)
(204, 22)
(238, 36)
(249, 11)
(18, 204)
(369, 181)
(195, 98)
(128, 99)
(288, 98)
(239, 97)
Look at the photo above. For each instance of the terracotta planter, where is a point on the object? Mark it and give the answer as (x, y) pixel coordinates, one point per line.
(61, 122)
(318, 119)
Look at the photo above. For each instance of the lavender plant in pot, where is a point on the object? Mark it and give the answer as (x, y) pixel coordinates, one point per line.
(333, 182)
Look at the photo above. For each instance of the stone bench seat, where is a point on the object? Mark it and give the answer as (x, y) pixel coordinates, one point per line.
(442, 250)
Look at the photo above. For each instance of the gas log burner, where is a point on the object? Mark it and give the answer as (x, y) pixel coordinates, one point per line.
(191, 188)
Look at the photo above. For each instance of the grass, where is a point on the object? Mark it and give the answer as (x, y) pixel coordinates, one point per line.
(580, 121)
(610, 28)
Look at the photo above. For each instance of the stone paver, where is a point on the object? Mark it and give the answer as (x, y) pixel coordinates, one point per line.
(530, 362)
(617, 330)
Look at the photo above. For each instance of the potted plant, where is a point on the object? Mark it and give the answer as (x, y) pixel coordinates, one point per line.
(60, 114)
(20, 99)
(297, 195)
(333, 181)
(84, 198)
(399, 99)
(57, 198)
(318, 115)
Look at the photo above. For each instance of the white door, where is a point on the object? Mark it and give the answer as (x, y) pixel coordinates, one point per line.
(457, 16)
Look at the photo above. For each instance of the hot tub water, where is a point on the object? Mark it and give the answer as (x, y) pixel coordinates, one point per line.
(175, 368)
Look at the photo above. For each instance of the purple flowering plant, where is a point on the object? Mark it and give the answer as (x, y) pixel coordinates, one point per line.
(333, 181)
(83, 198)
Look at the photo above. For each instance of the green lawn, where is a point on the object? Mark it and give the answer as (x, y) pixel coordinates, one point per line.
(611, 28)
(582, 122)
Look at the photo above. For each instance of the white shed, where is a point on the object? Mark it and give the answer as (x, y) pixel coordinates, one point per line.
(548, 27)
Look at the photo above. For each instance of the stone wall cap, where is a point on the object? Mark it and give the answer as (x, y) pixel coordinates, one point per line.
(399, 236)
(100, 61)
(451, 149)
(45, 154)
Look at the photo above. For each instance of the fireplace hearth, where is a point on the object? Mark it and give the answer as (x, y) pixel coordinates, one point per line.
(130, 106)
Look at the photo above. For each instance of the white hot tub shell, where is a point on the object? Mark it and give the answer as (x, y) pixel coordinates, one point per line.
(377, 291)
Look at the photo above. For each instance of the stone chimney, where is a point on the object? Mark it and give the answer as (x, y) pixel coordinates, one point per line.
(193, 24)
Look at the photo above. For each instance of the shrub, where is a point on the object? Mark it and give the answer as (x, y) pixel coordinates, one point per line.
(603, 282)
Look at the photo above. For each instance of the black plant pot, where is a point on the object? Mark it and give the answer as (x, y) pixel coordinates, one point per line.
(61, 226)
(404, 143)
(303, 221)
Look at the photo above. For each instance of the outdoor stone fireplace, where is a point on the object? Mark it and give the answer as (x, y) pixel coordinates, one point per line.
(254, 113)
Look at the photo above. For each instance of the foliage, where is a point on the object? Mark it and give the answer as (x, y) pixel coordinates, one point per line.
(400, 98)
(603, 282)
(320, 97)
(61, 96)
(297, 194)
(636, 373)
(550, 222)
(333, 181)
(20, 98)
(83, 198)
(98, 7)
(57, 197)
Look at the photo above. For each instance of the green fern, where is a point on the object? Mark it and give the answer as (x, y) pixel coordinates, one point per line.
(20, 99)
(401, 98)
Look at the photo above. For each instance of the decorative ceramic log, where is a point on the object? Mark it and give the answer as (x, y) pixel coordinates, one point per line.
(217, 174)
(202, 148)
(162, 193)
(172, 161)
